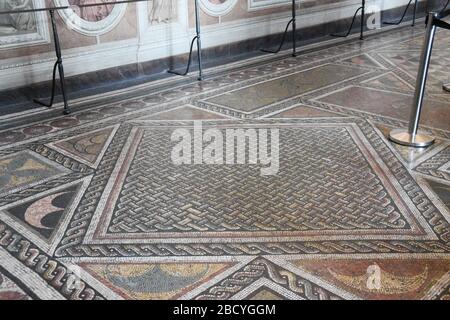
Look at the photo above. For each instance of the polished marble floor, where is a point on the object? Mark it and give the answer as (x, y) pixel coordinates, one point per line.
(93, 206)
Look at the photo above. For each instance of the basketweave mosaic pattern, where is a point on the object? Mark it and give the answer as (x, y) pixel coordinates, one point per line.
(92, 207)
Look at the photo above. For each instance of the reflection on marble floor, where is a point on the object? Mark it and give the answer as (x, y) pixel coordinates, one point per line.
(92, 206)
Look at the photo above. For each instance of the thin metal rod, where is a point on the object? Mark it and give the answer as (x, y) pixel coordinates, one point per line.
(404, 15)
(58, 65)
(293, 21)
(69, 7)
(199, 48)
(189, 61)
(423, 74)
(363, 14)
(294, 28)
(52, 97)
(199, 40)
(283, 40)
(351, 25)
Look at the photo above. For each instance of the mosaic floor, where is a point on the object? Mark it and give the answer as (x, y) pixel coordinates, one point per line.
(92, 206)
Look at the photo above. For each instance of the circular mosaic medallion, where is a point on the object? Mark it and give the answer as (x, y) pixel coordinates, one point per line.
(11, 137)
(37, 130)
(64, 122)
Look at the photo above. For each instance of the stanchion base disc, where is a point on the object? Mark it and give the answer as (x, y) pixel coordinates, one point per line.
(447, 87)
(403, 137)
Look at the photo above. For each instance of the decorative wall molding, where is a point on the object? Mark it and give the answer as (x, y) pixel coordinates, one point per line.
(347, 3)
(265, 4)
(78, 20)
(217, 9)
(39, 35)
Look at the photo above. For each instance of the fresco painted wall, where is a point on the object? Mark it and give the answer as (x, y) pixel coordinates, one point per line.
(24, 28)
(101, 37)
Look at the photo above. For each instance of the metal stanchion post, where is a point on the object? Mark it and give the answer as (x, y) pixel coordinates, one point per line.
(412, 137)
(58, 65)
(199, 41)
(199, 47)
(363, 13)
(294, 29)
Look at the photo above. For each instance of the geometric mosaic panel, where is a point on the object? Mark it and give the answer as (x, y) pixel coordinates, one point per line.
(399, 278)
(319, 192)
(258, 96)
(146, 281)
(87, 148)
(25, 169)
(395, 105)
(45, 216)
